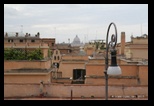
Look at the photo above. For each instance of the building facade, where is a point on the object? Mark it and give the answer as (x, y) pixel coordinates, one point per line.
(56, 58)
(137, 48)
(28, 38)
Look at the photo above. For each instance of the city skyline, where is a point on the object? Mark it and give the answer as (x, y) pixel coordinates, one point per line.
(65, 21)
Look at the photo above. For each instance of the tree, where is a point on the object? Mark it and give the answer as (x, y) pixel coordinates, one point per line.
(17, 54)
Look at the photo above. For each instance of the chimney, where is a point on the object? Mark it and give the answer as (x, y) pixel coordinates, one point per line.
(38, 34)
(16, 34)
(26, 35)
(122, 42)
(69, 40)
(6, 35)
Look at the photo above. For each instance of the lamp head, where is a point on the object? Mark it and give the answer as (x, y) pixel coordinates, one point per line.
(113, 69)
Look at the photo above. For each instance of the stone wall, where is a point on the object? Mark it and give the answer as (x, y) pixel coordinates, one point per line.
(35, 64)
(27, 78)
(131, 75)
(64, 90)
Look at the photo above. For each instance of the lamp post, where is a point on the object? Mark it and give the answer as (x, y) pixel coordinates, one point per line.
(113, 69)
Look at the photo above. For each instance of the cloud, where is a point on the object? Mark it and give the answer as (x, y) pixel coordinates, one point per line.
(90, 20)
(10, 12)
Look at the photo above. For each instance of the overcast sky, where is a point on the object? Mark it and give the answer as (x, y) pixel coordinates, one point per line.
(65, 21)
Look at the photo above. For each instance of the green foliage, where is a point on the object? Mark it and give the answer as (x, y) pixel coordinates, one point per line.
(14, 54)
(35, 55)
(7, 53)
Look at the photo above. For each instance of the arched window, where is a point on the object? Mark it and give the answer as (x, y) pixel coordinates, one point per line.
(54, 57)
(58, 57)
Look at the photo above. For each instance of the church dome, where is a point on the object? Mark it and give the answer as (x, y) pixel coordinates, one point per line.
(76, 40)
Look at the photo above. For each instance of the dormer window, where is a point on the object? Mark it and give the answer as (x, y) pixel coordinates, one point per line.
(21, 40)
(32, 40)
(10, 40)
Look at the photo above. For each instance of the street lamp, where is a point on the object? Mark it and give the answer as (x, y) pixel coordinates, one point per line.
(113, 69)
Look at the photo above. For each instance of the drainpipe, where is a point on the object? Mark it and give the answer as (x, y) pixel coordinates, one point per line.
(41, 89)
(123, 89)
(71, 94)
(138, 78)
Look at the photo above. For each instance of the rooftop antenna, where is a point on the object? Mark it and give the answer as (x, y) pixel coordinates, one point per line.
(55, 32)
(87, 35)
(96, 35)
(141, 29)
(21, 29)
(69, 40)
(85, 39)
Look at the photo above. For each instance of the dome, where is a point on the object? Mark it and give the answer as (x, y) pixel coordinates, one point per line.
(76, 40)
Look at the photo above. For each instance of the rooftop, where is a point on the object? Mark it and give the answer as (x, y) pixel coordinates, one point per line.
(28, 71)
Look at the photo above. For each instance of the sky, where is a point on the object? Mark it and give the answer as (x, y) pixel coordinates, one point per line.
(65, 21)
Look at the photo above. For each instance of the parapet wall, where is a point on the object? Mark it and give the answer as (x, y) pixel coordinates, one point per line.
(25, 64)
(131, 75)
(60, 90)
(45, 45)
(74, 57)
(23, 78)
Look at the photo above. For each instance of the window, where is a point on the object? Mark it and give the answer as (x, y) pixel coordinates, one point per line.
(52, 44)
(21, 40)
(10, 40)
(32, 40)
(58, 57)
(56, 65)
(79, 76)
(54, 57)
